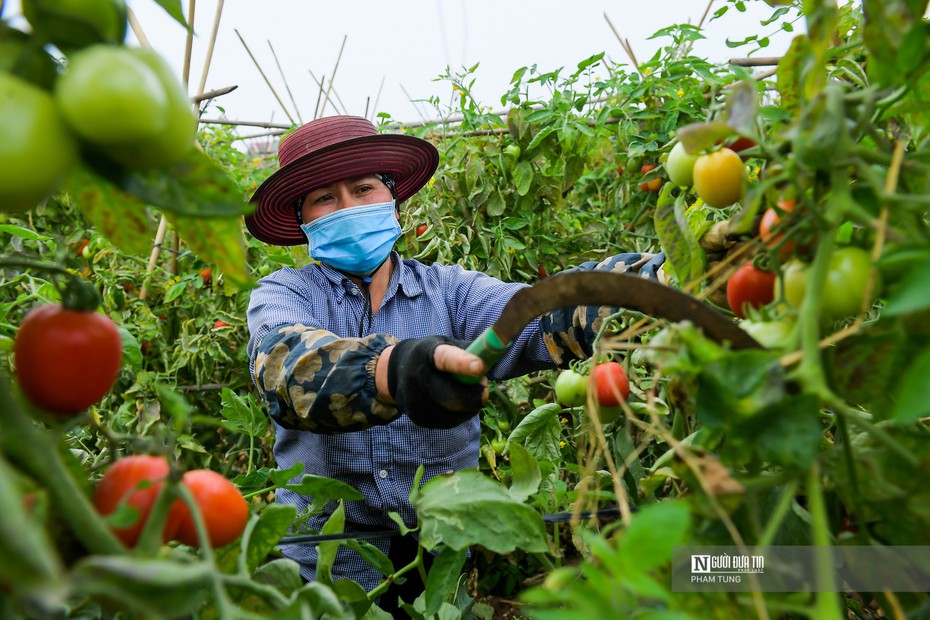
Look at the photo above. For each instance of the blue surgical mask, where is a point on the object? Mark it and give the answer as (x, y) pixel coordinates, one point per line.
(355, 240)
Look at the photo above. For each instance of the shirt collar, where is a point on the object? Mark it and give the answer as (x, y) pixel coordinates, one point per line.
(403, 278)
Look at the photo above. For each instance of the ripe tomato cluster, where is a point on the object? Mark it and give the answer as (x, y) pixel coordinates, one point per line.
(124, 104)
(608, 380)
(135, 482)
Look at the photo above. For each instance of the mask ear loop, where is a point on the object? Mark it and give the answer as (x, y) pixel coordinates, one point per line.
(366, 283)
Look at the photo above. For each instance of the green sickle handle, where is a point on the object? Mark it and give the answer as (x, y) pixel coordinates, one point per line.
(489, 348)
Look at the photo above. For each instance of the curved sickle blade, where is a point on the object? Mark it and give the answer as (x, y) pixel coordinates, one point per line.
(599, 288)
(623, 290)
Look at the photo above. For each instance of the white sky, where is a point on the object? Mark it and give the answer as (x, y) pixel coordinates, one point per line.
(409, 43)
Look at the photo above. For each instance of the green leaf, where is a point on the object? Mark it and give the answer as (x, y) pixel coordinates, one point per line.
(132, 350)
(468, 508)
(25, 233)
(789, 432)
(682, 251)
(738, 387)
(522, 177)
(327, 550)
(280, 477)
(243, 414)
(121, 217)
(540, 433)
(196, 187)
(175, 290)
(283, 574)
(698, 137)
(654, 531)
(273, 522)
(321, 488)
(495, 205)
(913, 400)
(154, 587)
(443, 578)
(524, 473)
(742, 106)
(911, 294)
(173, 8)
(217, 241)
(371, 554)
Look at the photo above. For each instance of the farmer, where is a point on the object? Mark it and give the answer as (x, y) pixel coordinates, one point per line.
(353, 353)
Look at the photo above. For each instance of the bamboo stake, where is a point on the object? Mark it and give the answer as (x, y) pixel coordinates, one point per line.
(624, 43)
(286, 86)
(336, 94)
(189, 42)
(211, 46)
(319, 95)
(213, 94)
(265, 77)
(137, 29)
(761, 61)
(374, 108)
(335, 68)
(414, 104)
(224, 121)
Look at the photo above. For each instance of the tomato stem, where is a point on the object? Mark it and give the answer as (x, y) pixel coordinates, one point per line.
(826, 599)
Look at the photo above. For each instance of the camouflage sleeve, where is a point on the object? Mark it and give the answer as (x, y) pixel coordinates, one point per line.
(569, 333)
(315, 381)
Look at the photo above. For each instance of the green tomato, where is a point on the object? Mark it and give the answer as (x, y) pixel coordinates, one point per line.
(73, 24)
(36, 148)
(110, 96)
(793, 283)
(680, 166)
(177, 139)
(513, 151)
(571, 388)
(847, 279)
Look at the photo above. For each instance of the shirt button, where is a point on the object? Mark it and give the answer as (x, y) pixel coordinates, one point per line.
(383, 474)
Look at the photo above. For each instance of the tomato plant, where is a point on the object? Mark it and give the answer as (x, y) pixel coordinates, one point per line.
(225, 512)
(66, 360)
(611, 384)
(719, 178)
(571, 388)
(135, 482)
(33, 131)
(421, 229)
(220, 324)
(774, 334)
(750, 287)
(680, 165)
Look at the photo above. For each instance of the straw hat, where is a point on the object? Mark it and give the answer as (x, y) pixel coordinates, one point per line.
(328, 150)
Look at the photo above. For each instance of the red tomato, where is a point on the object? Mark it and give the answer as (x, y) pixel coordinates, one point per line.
(541, 270)
(220, 324)
(225, 512)
(135, 481)
(771, 227)
(421, 229)
(741, 144)
(611, 384)
(750, 287)
(206, 274)
(66, 360)
(78, 247)
(652, 185)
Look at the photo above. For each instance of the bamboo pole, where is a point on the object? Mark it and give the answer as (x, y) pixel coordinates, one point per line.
(761, 61)
(265, 77)
(319, 96)
(286, 86)
(213, 94)
(211, 46)
(374, 108)
(225, 121)
(415, 106)
(335, 93)
(624, 43)
(335, 68)
(189, 42)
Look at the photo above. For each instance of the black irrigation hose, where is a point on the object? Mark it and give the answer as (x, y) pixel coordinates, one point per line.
(559, 517)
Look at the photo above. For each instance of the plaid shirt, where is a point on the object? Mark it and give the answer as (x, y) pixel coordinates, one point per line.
(313, 351)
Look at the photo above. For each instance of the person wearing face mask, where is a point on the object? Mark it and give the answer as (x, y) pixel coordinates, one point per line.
(354, 352)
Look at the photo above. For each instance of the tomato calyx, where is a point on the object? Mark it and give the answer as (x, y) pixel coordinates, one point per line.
(79, 296)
